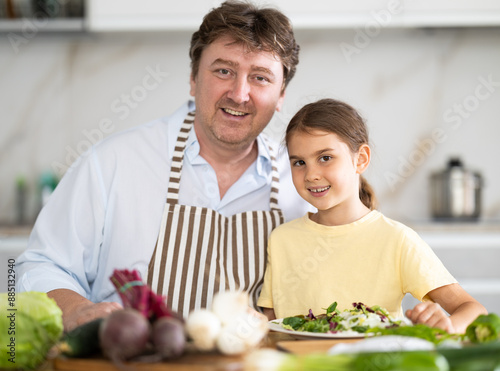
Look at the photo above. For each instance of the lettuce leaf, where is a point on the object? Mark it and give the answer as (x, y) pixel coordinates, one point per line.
(485, 328)
(43, 310)
(31, 324)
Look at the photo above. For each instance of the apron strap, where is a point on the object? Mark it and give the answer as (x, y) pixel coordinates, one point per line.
(177, 159)
(275, 177)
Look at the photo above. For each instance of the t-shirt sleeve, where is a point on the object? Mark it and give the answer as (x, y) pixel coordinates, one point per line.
(421, 269)
(266, 298)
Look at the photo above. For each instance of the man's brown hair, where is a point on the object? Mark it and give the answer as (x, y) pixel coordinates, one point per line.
(259, 29)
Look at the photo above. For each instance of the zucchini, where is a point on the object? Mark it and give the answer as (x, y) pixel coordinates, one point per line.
(82, 341)
(482, 357)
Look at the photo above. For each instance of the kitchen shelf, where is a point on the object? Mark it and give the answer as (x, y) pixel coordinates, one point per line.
(158, 16)
(366, 15)
(300, 22)
(53, 25)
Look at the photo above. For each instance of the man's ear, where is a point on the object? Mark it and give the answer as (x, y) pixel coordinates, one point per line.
(192, 83)
(363, 158)
(279, 105)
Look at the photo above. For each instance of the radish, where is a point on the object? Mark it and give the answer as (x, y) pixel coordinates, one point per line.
(168, 337)
(124, 334)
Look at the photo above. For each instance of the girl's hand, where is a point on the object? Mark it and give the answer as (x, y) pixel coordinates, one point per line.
(430, 314)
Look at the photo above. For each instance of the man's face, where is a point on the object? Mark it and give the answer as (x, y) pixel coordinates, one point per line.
(236, 93)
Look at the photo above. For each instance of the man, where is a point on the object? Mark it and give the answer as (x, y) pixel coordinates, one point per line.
(188, 200)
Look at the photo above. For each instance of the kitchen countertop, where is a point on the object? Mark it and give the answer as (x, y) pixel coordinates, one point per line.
(482, 224)
(15, 230)
(420, 225)
(432, 225)
(190, 361)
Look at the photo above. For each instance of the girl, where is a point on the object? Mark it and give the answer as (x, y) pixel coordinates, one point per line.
(348, 251)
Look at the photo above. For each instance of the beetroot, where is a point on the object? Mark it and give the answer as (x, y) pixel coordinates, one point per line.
(124, 334)
(138, 295)
(168, 337)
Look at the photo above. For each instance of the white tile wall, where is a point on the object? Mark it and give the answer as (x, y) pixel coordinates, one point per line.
(57, 92)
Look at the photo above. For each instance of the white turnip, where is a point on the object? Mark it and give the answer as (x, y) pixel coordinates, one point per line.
(227, 304)
(203, 327)
(228, 342)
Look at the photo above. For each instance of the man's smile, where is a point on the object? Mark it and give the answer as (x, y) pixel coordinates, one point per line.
(234, 113)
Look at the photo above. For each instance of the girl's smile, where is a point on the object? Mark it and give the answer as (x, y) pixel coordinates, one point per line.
(319, 191)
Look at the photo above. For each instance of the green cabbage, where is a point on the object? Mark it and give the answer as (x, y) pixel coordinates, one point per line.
(31, 324)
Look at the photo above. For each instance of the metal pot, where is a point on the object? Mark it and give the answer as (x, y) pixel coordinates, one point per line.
(456, 192)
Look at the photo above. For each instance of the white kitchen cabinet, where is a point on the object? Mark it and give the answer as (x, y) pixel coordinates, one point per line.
(146, 15)
(160, 15)
(371, 15)
(471, 252)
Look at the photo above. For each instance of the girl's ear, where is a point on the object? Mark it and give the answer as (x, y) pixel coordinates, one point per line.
(363, 158)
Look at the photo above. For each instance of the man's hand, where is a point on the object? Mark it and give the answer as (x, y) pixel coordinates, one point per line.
(431, 314)
(78, 310)
(87, 313)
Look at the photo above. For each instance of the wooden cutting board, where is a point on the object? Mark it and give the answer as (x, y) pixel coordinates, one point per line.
(311, 346)
(188, 362)
(196, 362)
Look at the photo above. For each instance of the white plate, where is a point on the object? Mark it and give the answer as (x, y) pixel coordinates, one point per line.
(275, 325)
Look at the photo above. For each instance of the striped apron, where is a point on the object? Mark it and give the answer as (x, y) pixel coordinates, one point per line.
(199, 252)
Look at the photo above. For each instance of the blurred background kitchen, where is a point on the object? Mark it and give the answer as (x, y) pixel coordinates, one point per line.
(425, 74)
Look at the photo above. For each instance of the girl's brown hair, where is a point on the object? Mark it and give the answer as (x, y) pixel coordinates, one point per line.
(259, 29)
(336, 117)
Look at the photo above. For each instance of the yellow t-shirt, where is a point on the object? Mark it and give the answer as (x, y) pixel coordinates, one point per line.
(374, 260)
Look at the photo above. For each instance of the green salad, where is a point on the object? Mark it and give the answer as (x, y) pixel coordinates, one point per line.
(359, 319)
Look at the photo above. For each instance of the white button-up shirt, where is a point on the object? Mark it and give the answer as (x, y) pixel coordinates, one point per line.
(105, 213)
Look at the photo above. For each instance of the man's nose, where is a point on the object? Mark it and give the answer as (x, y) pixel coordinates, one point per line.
(240, 91)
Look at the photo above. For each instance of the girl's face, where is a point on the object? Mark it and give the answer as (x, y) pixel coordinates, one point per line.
(326, 174)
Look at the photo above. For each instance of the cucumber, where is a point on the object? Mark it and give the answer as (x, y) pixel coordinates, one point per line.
(82, 341)
(398, 361)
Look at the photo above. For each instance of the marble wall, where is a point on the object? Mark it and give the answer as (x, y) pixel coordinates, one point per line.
(427, 94)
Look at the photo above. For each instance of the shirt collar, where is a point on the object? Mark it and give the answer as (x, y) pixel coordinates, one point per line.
(264, 163)
(263, 166)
